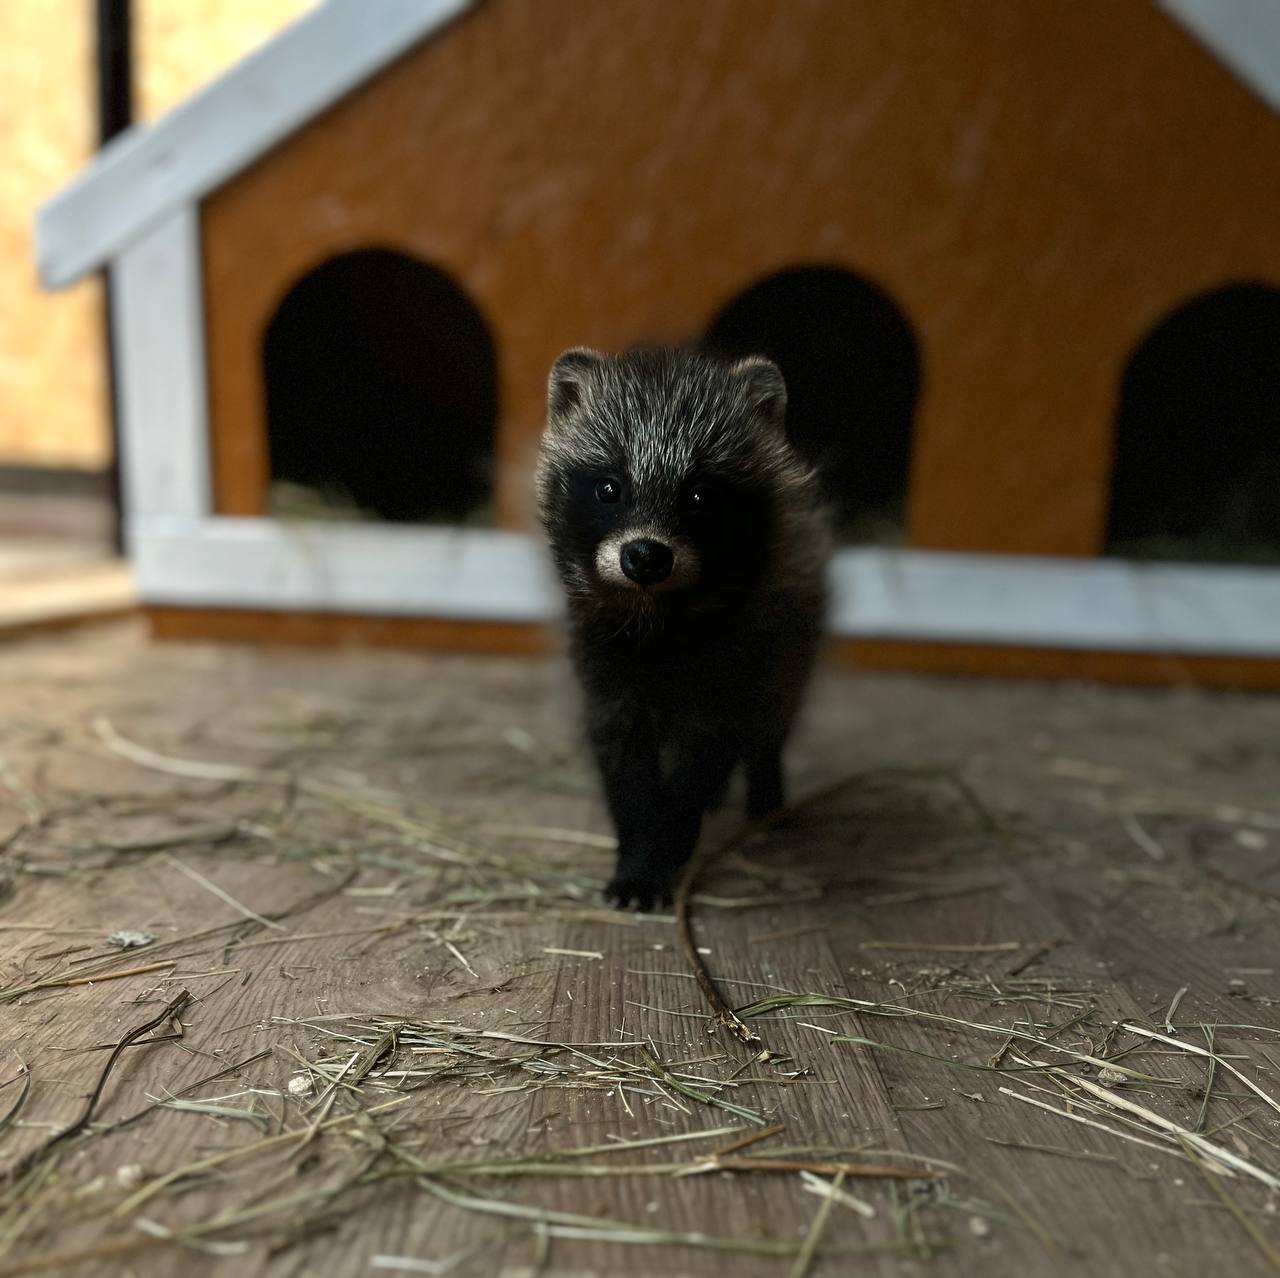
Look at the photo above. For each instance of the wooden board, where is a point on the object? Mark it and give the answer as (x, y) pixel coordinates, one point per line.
(975, 865)
(1017, 182)
(1012, 662)
(310, 629)
(327, 630)
(56, 585)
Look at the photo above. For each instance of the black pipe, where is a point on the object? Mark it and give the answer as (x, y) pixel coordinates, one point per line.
(114, 28)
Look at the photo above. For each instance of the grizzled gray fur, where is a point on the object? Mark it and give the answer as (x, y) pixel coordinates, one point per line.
(692, 547)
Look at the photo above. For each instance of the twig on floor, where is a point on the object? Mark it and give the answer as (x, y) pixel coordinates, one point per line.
(170, 1010)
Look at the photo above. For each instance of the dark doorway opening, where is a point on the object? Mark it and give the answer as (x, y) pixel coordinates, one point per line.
(381, 394)
(1197, 452)
(852, 366)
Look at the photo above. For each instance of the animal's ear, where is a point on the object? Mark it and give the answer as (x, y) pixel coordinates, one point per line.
(766, 389)
(572, 379)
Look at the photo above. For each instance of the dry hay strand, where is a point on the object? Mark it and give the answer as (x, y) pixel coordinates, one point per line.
(1126, 1118)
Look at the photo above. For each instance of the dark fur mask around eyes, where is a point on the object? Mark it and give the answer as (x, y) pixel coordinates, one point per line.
(726, 518)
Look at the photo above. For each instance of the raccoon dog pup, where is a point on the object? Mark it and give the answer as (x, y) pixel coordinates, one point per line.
(692, 547)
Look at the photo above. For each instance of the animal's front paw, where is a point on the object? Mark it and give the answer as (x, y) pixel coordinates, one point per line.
(639, 889)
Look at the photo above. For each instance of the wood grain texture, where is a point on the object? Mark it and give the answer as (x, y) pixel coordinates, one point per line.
(1001, 661)
(1018, 180)
(325, 630)
(330, 630)
(977, 863)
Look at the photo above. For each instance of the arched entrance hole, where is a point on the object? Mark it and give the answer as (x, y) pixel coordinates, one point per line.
(852, 366)
(381, 393)
(1197, 437)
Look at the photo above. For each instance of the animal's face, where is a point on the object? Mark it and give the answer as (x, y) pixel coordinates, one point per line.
(657, 473)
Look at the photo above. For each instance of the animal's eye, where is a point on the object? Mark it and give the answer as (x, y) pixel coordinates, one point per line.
(701, 496)
(608, 491)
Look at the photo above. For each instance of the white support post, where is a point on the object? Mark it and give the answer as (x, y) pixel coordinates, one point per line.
(159, 326)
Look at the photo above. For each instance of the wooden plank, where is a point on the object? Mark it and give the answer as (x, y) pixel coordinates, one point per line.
(641, 988)
(158, 305)
(905, 956)
(437, 760)
(1081, 665)
(58, 918)
(484, 573)
(1024, 314)
(469, 573)
(67, 597)
(1037, 601)
(332, 630)
(310, 629)
(232, 1021)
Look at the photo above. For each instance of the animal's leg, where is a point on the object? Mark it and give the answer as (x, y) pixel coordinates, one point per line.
(651, 833)
(766, 791)
(697, 780)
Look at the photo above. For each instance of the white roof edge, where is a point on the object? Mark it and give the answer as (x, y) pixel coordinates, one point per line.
(1243, 34)
(148, 172)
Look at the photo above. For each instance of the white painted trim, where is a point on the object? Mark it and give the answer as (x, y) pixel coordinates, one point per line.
(320, 566)
(1109, 604)
(159, 325)
(1243, 34)
(486, 575)
(147, 173)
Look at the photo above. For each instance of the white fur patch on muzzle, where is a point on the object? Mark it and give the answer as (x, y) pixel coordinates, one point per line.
(686, 567)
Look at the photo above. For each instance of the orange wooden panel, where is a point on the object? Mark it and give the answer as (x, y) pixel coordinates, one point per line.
(327, 630)
(1036, 183)
(993, 661)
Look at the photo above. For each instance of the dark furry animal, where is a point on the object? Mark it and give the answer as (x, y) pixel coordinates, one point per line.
(692, 547)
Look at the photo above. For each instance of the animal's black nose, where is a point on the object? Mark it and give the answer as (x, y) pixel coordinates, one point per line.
(647, 562)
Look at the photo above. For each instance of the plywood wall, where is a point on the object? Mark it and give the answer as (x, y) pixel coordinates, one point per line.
(51, 373)
(50, 364)
(1036, 185)
(181, 44)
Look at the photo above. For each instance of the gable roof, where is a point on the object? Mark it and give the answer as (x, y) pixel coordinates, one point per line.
(1242, 34)
(146, 173)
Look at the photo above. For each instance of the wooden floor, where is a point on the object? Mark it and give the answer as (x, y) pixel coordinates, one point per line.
(47, 587)
(374, 875)
(57, 564)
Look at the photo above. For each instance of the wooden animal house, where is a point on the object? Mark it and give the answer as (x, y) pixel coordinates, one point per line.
(1019, 264)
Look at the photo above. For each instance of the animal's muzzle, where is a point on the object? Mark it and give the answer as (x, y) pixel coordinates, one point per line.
(646, 561)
